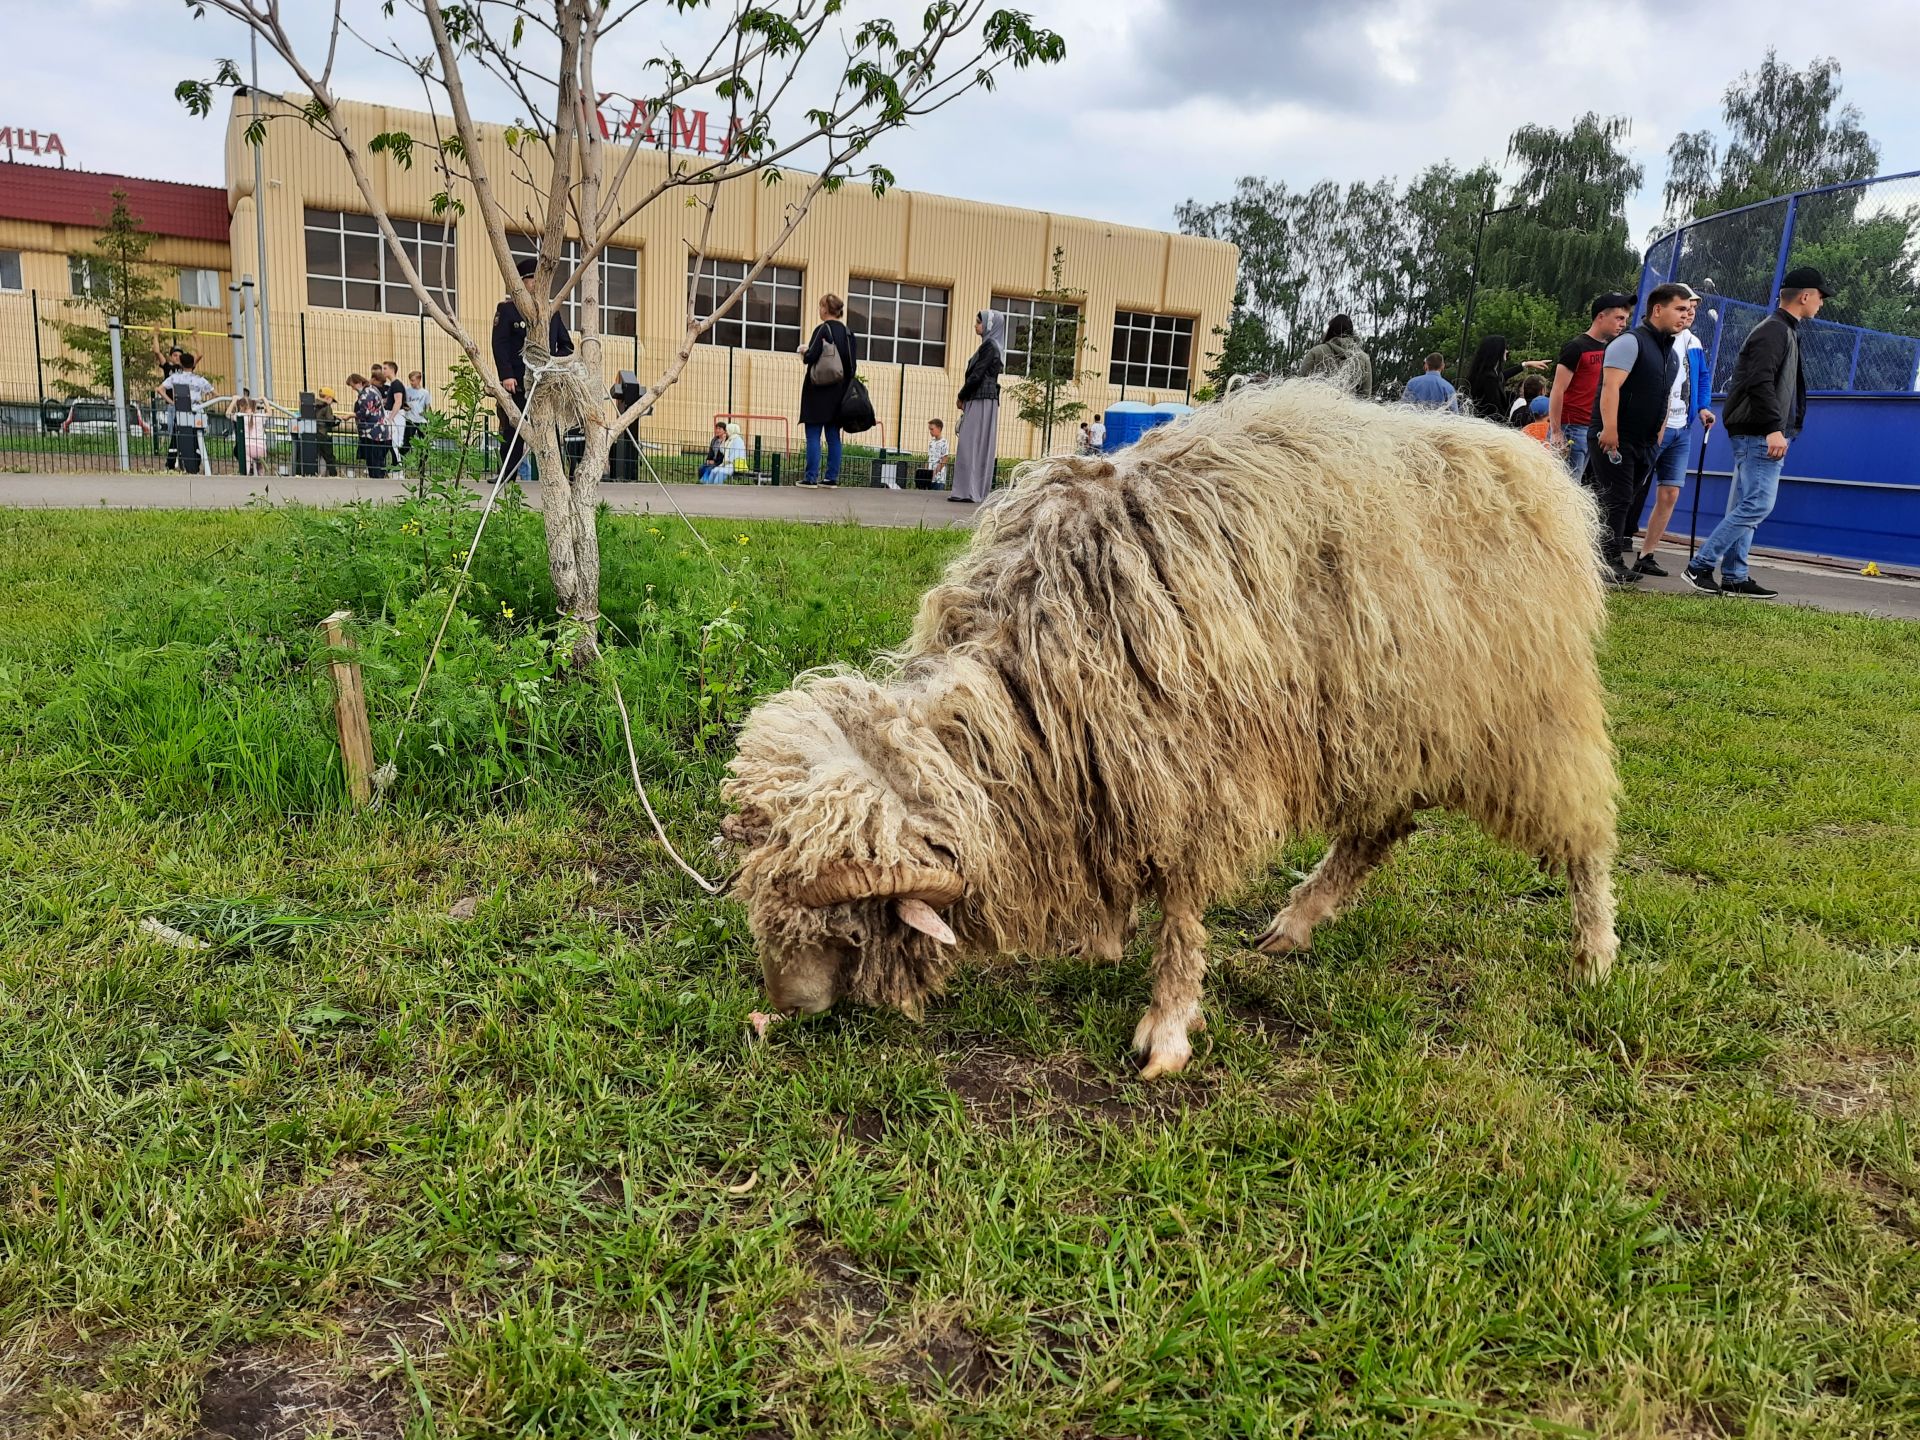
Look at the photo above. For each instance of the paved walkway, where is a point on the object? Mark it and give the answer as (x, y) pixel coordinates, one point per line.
(1821, 586)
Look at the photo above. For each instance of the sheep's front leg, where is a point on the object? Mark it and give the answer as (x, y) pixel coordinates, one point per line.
(1179, 967)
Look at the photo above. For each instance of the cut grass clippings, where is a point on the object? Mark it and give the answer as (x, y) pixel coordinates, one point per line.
(455, 1129)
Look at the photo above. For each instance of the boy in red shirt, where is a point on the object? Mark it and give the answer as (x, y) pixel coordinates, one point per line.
(1576, 379)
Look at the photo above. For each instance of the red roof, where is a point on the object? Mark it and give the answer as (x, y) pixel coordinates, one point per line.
(85, 197)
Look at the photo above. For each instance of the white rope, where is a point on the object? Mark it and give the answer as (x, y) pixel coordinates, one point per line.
(387, 773)
(681, 513)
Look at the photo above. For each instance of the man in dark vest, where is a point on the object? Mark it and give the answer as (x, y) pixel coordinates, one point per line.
(1636, 380)
(1766, 406)
(509, 341)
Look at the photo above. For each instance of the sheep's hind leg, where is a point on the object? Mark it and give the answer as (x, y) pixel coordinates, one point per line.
(1590, 878)
(1162, 1038)
(1334, 881)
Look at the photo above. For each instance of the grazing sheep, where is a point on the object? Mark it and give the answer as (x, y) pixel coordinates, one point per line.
(1292, 611)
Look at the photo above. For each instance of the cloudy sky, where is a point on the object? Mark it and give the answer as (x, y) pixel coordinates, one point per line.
(1158, 101)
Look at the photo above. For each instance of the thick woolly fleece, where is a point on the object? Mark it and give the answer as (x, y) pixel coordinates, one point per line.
(1290, 612)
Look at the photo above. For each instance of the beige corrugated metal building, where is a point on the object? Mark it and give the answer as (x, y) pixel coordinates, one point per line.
(49, 221)
(914, 267)
(955, 257)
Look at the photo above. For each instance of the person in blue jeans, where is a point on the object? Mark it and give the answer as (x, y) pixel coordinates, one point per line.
(1766, 406)
(1691, 391)
(823, 390)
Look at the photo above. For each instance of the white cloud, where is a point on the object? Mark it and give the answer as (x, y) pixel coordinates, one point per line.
(1158, 101)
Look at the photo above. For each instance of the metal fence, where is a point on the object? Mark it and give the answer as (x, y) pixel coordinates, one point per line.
(1863, 236)
(57, 412)
(1851, 486)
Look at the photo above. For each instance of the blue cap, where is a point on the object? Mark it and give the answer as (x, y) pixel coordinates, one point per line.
(1538, 406)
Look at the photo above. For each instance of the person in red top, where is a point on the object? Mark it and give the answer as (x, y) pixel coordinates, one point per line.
(1576, 379)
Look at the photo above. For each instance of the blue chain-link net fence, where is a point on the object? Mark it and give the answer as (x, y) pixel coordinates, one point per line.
(1864, 238)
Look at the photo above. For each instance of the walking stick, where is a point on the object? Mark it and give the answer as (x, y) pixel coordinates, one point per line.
(1699, 479)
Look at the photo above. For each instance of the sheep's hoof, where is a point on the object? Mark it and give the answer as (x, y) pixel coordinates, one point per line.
(1592, 968)
(1161, 1040)
(1287, 933)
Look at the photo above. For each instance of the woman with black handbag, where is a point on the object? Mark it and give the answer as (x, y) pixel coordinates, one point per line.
(829, 357)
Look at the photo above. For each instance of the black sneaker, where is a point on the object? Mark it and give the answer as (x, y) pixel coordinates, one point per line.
(1620, 575)
(1649, 566)
(1750, 588)
(1701, 580)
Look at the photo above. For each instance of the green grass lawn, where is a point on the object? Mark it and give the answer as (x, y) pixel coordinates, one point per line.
(455, 1130)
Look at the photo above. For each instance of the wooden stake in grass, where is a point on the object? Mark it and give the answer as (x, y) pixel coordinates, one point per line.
(350, 710)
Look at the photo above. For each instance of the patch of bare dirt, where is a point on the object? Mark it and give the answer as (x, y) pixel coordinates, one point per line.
(951, 1359)
(1844, 1088)
(261, 1395)
(1896, 1206)
(1004, 1089)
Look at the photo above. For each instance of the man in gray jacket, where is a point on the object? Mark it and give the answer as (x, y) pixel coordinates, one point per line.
(1766, 406)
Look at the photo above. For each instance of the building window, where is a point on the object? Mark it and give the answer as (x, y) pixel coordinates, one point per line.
(349, 266)
(1150, 351)
(200, 288)
(10, 270)
(898, 324)
(619, 284)
(1044, 325)
(765, 317)
(90, 276)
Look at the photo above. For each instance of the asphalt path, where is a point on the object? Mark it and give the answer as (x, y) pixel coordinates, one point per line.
(1820, 585)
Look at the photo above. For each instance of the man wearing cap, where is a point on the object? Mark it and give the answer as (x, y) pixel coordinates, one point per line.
(1766, 406)
(509, 343)
(1576, 379)
(1630, 417)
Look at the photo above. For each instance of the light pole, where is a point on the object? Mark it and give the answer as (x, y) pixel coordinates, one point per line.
(260, 238)
(1473, 279)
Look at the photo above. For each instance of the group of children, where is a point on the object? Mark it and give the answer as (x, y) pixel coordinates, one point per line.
(727, 454)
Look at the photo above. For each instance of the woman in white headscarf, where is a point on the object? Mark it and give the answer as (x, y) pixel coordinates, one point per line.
(980, 411)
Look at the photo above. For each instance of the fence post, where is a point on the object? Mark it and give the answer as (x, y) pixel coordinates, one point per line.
(1780, 261)
(119, 393)
(247, 321)
(305, 383)
(350, 711)
(233, 334)
(39, 380)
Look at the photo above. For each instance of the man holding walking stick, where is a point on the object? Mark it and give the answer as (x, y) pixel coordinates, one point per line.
(1766, 406)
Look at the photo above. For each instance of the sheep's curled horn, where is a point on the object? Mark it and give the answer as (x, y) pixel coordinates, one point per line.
(914, 889)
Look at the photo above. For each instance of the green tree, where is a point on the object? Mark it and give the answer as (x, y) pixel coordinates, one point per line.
(1784, 129)
(807, 90)
(119, 280)
(1567, 236)
(1533, 324)
(1052, 342)
(1244, 348)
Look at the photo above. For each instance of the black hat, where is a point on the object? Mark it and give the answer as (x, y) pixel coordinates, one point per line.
(1806, 278)
(526, 265)
(1612, 300)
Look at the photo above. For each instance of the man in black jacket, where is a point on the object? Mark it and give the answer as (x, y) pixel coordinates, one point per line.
(509, 341)
(1766, 406)
(1631, 412)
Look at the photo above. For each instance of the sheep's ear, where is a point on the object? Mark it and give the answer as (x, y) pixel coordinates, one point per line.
(924, 918)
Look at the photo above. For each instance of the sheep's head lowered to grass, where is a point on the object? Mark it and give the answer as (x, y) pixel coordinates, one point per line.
(852, 857)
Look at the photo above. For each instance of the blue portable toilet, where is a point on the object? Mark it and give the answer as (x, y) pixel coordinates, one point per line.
(1128, 420)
